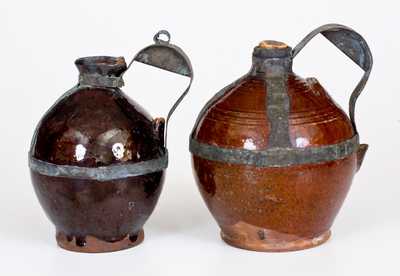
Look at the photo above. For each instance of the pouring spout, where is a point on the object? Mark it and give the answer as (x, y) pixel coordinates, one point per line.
(362, 149)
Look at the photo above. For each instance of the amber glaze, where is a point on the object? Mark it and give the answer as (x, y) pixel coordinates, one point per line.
(282, 208)
(239, 119)
(98, 127)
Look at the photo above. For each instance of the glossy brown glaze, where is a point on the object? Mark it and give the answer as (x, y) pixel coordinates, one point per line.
(274, 208)
(113, 212)
(93, 127)
(97, 127)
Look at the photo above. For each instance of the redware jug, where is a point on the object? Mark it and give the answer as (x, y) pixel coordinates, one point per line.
(273, 155)
(97, 158)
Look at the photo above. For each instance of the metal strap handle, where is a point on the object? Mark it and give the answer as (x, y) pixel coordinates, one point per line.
(351, 44)
(167, 57)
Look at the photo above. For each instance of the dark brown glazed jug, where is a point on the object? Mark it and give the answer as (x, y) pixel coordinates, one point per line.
(97, 158)
(273, 155)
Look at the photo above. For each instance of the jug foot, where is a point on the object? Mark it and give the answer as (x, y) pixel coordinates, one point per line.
(91, 244)
(261, 242)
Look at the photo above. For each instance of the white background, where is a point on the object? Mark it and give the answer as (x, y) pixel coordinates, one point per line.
(39, 41)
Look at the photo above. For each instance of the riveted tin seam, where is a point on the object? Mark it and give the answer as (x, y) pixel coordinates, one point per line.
(104, 173)
(275, 157)
(277, 109)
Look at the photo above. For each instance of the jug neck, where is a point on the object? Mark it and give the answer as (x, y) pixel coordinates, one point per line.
(271, 58)
(101, 71)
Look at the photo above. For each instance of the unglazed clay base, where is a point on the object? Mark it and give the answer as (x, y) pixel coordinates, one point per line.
(273, 245)
(94, 245)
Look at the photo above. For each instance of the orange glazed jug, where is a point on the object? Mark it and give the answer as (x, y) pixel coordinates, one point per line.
(273, 155)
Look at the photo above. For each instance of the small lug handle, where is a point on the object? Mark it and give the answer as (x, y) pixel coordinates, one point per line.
(353, 45)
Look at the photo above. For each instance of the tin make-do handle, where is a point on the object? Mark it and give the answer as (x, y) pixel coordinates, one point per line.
(351, 44)
(168, 57)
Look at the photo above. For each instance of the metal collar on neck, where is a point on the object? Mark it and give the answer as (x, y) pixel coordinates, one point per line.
(101, 71)
(100, 81)
(271, 58)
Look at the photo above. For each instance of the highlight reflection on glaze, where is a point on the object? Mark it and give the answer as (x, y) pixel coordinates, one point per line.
(80, 152)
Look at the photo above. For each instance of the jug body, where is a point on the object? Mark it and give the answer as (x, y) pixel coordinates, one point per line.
(98, 159)
(91, 128)
(274, 156)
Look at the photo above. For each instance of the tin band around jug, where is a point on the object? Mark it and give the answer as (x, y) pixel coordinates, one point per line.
(280, 152)
(162, 55)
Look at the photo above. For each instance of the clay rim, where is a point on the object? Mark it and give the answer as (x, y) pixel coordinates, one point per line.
(103, 65)
(272, 49)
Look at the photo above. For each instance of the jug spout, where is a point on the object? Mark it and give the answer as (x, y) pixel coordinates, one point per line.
(159, 129)
(101, 71)
(362, 149)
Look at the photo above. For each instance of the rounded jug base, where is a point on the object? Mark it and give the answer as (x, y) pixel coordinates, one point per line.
(92, 244)
(265, 244)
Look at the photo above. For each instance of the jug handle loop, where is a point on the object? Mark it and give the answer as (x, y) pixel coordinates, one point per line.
(169, 57)
(353, 45)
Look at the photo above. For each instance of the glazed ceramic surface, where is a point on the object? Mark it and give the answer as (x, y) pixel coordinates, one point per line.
(263, 204)
(97, 127)
(98, 159)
